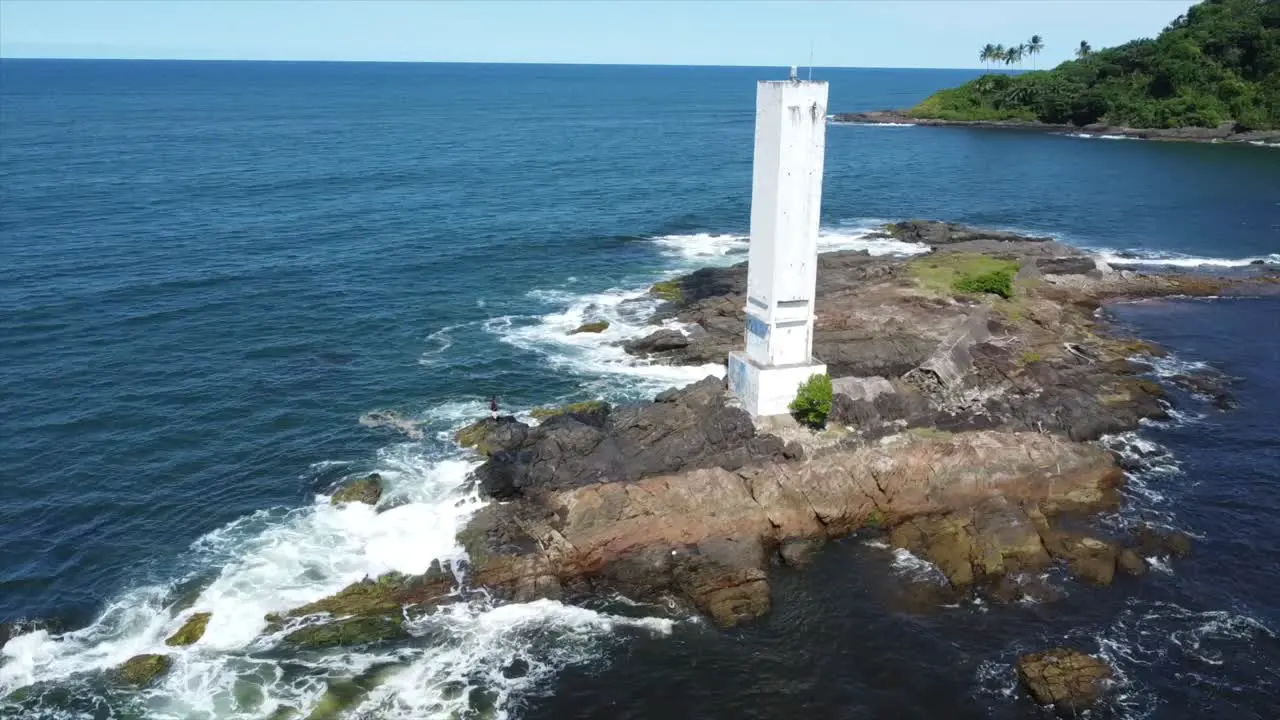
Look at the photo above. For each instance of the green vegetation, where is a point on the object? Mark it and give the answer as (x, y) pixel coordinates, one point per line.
(590, 407)
(191, 631)
(948, 273)
(1218, 64)
(1029, 357)
(668, 290)
(1013, 54)
(813, 401)
(351, 631)
(997, 282)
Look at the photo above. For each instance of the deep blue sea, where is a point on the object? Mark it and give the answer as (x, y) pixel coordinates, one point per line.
(210, 271)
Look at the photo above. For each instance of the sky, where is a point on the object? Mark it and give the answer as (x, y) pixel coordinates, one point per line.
(850, 33)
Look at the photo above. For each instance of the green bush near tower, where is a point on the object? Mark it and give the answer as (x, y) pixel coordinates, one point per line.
(813, 401)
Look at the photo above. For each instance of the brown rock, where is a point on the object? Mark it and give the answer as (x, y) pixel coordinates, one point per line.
(1064, 678)
(707, 534)
(1130, 562)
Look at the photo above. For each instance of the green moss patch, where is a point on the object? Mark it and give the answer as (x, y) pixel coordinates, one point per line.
(366, 490)
(143, 670)
(590, 407)
(668, 290)
(352, 631)
(191, 631)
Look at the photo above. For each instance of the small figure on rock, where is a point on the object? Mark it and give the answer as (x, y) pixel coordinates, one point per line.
(493, 406)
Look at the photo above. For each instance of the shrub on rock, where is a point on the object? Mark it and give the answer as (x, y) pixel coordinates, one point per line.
(813, 401)
(996, 282)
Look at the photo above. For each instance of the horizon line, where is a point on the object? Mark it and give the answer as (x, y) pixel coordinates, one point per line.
(471, 62)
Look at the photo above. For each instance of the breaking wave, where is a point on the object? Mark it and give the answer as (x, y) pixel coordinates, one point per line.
(727, 248)
(1168, 259)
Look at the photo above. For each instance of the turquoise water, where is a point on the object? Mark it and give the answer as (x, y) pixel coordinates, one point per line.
(212, 270)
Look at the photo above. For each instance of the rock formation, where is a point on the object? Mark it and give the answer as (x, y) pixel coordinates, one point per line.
(191, 631)
(366, 490)
(1067, 679)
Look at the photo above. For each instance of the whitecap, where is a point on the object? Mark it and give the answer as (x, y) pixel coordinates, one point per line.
(725, 248)
(1170, 259)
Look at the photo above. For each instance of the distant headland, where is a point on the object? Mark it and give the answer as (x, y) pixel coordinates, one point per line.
(1212, 75)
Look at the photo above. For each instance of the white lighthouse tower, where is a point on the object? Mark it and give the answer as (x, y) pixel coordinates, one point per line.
(782, 265)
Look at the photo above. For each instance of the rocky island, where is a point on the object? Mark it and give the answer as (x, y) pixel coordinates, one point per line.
(1213, 75)
(972, 383)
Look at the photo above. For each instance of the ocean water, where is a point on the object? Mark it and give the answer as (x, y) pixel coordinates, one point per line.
(212, 270)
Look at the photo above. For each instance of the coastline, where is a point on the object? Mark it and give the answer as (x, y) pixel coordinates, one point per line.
(1265, 138)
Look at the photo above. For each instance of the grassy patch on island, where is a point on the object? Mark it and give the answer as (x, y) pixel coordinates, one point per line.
(951, 273)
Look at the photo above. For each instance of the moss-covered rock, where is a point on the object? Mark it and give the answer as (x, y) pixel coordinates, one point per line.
(369, 610)
(598, 326)
(191, 631)
(590, 407)
(388, 594)
(351, 631)
(143, 670)
(367, 490)
(669, 290)
(492, 435)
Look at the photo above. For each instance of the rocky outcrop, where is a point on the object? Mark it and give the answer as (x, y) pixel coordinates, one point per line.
(706, 535)
(366, 490)
(492, 435)
(369, 611)
(142, 670)
(1224, 133)
(597, 326)
(684, 429)
(191, 631)
(1067, 679)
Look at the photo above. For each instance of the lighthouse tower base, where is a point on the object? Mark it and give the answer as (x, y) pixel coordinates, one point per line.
(767, 390)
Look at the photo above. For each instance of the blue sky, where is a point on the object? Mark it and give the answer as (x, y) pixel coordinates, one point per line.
(856, 33)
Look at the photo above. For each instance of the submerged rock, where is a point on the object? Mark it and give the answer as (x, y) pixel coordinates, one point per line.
(598, 326)
(394, 420)
(143, 670)
(370, 610)
(1067, 679)
(343, 694)
(1159, 541)
(191, 631)
(366, 490)
(350, 631)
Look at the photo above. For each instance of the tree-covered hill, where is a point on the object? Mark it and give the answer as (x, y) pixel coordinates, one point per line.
(1218, 64)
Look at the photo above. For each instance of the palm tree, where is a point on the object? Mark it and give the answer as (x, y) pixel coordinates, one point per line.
(998, 54)
(988, 54)
(1034, 47)
(1084, 50)
(1012, 55)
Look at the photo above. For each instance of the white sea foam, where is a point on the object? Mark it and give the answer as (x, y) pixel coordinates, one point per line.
(1095, 136)
(873, 124)
(916, 568)
(1153, 258)
(725, 248)
(598, 358)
